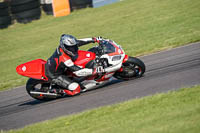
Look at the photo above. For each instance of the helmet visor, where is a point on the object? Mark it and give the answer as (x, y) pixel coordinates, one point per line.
(71, 50)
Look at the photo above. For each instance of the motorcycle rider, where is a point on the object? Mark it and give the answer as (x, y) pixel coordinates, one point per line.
(63, 59)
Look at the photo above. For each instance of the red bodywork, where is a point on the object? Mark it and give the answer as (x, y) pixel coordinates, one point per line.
(36, 68)
(125, 59)
(84, 57)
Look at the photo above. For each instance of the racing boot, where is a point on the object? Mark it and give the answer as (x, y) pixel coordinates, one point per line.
(69, 87)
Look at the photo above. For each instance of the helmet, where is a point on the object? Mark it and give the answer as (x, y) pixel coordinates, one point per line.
(68, 44)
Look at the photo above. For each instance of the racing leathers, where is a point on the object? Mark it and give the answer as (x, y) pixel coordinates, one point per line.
(59, 62)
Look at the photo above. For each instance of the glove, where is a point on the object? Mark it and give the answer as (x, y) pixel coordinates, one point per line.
(97, 39)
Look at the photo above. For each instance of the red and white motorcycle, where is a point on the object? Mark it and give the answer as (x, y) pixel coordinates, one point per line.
(107, 54)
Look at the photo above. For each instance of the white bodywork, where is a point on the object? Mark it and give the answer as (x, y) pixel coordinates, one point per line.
(115, 61)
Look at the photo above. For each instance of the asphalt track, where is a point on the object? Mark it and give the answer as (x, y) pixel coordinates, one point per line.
(167, 70)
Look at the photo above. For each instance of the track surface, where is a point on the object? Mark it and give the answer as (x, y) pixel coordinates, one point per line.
(168, 70)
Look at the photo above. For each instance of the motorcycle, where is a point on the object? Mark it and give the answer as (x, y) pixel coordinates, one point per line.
(108, 54)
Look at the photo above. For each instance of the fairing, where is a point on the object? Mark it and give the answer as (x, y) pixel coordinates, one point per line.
(34, 69)
(84, 57)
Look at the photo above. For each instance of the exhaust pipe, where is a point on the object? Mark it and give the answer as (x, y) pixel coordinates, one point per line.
(44, 94)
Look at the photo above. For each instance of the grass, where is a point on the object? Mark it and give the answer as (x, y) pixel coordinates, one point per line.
(172, 112)
(140, 26)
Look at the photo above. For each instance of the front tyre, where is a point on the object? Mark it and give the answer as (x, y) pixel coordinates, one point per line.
(34, 85)
(132, 68)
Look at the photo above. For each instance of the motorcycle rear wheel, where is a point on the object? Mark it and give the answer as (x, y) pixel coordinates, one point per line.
(34, 85)
(132, 68)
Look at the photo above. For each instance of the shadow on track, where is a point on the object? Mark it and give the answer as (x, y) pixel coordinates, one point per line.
(32, 102)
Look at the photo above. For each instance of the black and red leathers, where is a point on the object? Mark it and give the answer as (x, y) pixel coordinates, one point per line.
(59, 62)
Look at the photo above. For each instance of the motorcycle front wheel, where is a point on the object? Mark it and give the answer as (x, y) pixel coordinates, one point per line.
(132, 68)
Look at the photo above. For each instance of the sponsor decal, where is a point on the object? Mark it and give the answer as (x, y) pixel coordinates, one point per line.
(24, 68)
(88, 55)
(84, 72)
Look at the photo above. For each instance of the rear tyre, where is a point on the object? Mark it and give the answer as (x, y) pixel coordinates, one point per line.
(3, 5)
(4, 12)
(25, 7)
(132, 68)
(5, 18)
(78, 4)
(28, 16)
(5, 21)
(20, 2)
(47, 9)
(37, 86)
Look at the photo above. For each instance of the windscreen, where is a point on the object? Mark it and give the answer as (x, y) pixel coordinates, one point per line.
(108, 47)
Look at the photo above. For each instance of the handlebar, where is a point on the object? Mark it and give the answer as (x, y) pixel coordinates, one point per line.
(100, 47)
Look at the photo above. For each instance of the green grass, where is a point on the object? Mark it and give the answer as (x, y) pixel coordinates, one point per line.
(140, 26)
(173, 112)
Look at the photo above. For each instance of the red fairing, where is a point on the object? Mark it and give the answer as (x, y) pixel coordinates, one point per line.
(84, 57)
(34, 69)
(125, 58)
(74, 92)
(106, 77)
